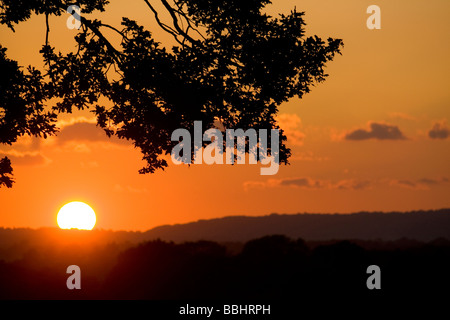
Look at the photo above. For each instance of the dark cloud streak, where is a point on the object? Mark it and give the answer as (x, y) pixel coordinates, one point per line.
(379, 131)
(440, 130)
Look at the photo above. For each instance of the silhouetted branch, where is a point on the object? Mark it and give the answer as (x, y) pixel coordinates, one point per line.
(163, 25)
(175, 22)
(188, 20)
(47, 30)
(114, 29)
(116, 55)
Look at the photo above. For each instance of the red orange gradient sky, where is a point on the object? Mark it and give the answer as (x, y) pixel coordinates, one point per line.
(374, 136)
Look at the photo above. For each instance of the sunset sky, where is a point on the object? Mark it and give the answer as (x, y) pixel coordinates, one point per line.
(375, 136)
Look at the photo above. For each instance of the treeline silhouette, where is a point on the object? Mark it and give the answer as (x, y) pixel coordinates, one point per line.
(270, 267)
(391, 226)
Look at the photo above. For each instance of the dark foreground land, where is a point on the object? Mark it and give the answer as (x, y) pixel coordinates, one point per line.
(262, 258)
(271, 267)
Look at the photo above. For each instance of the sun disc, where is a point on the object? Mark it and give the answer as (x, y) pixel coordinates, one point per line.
(76, 215)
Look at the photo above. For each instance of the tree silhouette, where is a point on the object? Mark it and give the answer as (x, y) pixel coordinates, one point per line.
(232, 64)
(22, 98)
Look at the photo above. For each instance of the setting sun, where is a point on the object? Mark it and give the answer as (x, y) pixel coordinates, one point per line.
(76, 215)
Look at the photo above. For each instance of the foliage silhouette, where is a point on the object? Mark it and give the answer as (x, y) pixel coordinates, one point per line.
(22, 98)
(6, 172)
(232, 64)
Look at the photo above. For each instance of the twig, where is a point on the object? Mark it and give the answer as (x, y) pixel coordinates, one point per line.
(48, 29)
(116, 30)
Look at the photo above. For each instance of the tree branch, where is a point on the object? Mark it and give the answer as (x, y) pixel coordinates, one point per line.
(116, 30)
(188, 20)
(116, 54)
(163, 25)
(48, 29)
(175, 22)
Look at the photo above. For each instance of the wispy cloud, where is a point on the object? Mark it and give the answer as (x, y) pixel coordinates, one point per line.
(353, 184)
(81, 131)
(61, 124)
(420, 184)
(345, 184)
(307, 156)
(309, 183)
(25, 158)
(401, 116)
(291, 124)
(78, 135)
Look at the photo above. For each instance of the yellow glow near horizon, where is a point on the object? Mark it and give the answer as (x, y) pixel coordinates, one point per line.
(76, 215)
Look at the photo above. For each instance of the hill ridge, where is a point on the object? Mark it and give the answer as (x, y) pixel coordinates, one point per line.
(424, 225)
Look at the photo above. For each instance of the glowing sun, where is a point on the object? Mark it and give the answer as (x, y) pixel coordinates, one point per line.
(76, 215)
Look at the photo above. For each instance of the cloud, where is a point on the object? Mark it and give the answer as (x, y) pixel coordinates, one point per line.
(420, 184)
(69, 129)
(81, 131)
(433, 181)
(401, 116)
(290, 124)
(303, 183)
(74, 132)
(23, 144)
(409, 184)
(440, 130)
(254, 185)
(25, 158)
(75, 146)
(71, 121)
(309, 183)
(353, 184)
(345, 184)
(307, 156)
(379, 131)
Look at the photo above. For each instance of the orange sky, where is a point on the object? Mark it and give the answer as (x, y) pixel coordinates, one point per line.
(393, 79)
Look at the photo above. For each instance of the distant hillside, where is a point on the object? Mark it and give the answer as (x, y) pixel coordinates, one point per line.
(422, 226)
(418, 225)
